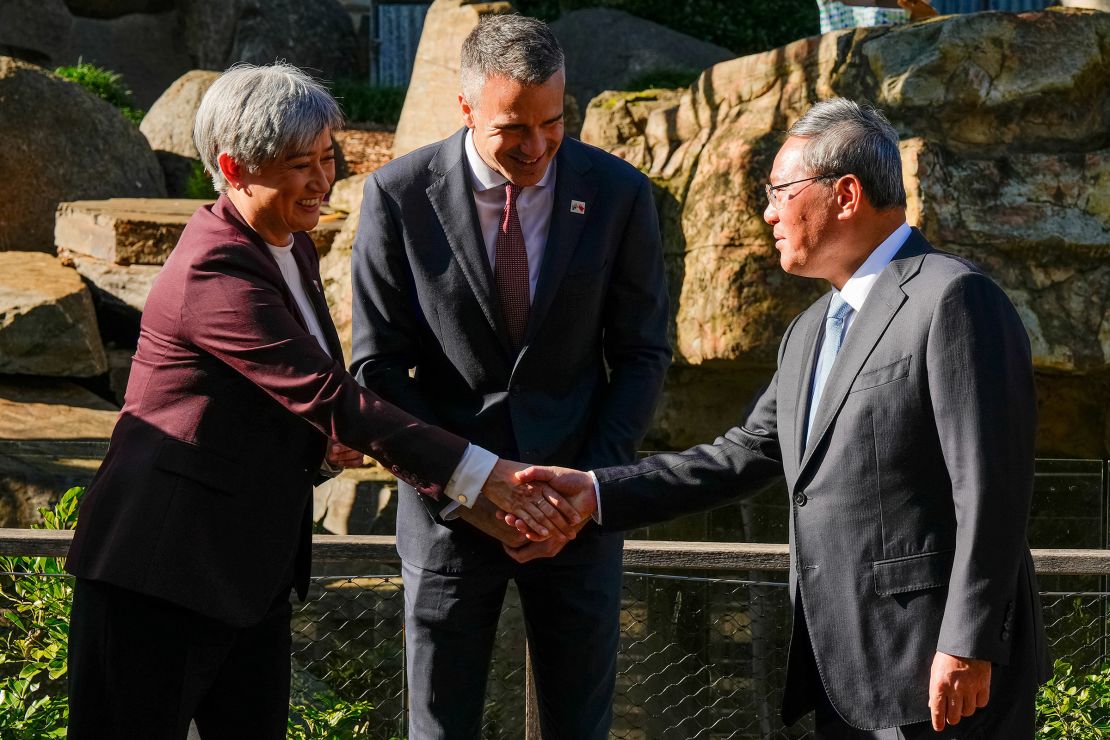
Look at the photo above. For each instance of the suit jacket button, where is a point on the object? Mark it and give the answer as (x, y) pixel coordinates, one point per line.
(800, 498)
(395, 469)
(461, 498)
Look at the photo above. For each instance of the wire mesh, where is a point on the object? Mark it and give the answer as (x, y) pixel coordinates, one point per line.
(700, 657)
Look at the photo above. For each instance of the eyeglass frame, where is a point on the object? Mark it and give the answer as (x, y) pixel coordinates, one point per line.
(772, 190)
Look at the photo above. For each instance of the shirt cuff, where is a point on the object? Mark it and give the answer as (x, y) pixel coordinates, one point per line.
(466, 482)
(597, 497)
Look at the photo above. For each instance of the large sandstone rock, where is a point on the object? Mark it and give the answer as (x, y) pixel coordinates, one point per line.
(62, 143)
(316, 35)
(168, 126)
(47, 323)
(34, 30)
(431, 110)
(53, 435)
(1005, 122)
(633, 47)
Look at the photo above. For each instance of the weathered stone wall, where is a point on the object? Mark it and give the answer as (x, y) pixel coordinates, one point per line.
(1005, 121)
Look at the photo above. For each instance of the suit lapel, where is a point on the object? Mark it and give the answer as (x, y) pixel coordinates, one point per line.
(565, 230)
(315, 293)
(811, 334)
(453, 200)
(883, 302)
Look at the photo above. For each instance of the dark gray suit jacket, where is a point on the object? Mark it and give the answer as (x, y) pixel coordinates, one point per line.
(910, 501)
(583, 388)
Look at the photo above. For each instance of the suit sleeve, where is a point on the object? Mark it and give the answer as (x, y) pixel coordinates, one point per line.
(634, 341)
(981, 386)
(669, 485)
(235, 313)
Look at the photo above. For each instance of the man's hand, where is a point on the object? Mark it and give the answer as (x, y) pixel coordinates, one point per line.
(342, 456)
(957, 687)
(540, 508)
(577, 489)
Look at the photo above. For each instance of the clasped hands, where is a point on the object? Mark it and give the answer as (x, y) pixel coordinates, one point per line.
(548, 505)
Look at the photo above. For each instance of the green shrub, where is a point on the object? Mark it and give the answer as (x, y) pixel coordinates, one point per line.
(329, 718)
(34, 617)
(199, 184)
(743, 27)
(106, 85)
(363, 103)
(1074, 707)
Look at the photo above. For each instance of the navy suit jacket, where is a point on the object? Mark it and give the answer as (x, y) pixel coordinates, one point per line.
(582, 389)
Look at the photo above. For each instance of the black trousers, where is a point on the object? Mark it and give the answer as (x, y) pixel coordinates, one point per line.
(571, 613)
(142, 668)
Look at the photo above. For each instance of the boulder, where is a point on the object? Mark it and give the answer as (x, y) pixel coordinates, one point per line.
(346, 194)
(1005, 121)
(47, 322)
(316, 35)
(34, 30)
(144, 48)
(168, 127)
(62, 143)
(431, 110)
(633, 48)
(53, 435)
(116, 8)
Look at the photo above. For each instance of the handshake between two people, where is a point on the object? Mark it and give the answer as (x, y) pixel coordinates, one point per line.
(538, 509)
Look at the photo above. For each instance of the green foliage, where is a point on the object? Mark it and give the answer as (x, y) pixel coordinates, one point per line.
(743, 27)
(106, 85)
(363, 103)
(1074, 707)
(329, 718)
(199, 184)
(663, 78)
(34, 615)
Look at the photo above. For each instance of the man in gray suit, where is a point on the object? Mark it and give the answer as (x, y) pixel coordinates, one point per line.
(519, 275)
(902, 414)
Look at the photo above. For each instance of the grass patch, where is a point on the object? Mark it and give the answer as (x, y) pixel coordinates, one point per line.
(104, 84)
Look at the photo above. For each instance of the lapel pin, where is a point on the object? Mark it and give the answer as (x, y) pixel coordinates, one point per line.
(317, 284)
(578, 206)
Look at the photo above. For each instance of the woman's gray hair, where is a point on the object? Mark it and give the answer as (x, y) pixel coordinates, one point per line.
(256, 113)
(846, 138)
(513, 46)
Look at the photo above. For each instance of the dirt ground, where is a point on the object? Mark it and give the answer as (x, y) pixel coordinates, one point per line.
(365, 150)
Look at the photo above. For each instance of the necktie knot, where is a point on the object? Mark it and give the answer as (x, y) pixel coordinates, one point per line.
(839, 308)
(511, 193)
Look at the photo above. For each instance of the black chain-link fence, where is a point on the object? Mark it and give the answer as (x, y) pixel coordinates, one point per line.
(701, 657)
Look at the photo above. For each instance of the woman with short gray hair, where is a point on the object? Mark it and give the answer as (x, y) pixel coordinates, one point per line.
(198, 522)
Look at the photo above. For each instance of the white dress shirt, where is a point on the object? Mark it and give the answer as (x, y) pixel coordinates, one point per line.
(534, 206)
(854, 293)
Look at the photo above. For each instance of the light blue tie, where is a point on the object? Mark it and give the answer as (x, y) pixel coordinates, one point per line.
(836, 322)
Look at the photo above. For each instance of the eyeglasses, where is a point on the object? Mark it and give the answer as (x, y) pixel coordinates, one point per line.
(773, 195)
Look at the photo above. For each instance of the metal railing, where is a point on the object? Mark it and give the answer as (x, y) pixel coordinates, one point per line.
(704, 631)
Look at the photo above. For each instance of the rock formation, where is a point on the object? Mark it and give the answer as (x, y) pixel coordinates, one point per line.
(1005, 121)
(633, 47)
(62, 143)
(431, 110)
(47, 323)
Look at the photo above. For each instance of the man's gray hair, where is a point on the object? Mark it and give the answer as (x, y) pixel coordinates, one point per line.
(513, 46)
(846, 138)
(257, 113)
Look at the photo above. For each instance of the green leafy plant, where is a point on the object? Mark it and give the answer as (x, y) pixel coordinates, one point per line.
(199, 184)
(34, 620)
(106, 85)
(329, 718)
(1072, 706)
(363, 103)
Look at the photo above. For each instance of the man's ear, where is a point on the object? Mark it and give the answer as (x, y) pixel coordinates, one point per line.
(467, 112)
(849, 197)
(230, 169)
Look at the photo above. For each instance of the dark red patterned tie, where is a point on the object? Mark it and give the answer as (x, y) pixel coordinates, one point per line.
(510, 269)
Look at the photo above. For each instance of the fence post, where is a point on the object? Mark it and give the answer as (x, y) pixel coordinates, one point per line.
(531, 705)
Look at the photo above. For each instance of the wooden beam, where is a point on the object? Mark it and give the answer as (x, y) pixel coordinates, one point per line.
(717, 556)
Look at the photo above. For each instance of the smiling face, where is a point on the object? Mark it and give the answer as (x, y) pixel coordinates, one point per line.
(517, 128)
(284, 196)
